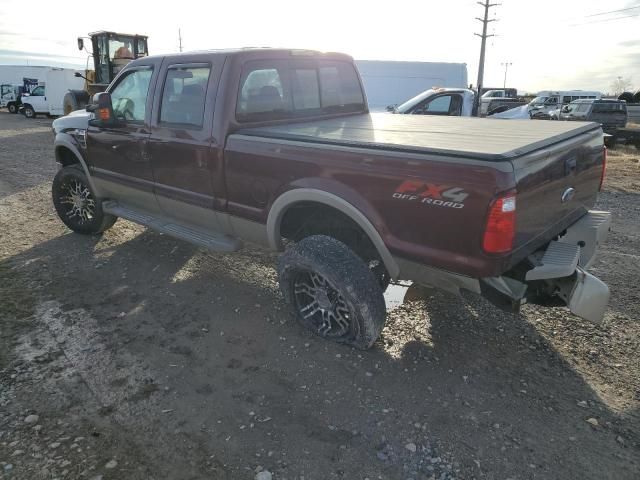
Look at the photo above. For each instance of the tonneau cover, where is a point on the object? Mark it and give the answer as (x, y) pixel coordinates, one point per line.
(480, 138)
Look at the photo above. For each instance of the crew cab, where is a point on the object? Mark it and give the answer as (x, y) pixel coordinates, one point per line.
(277, 148)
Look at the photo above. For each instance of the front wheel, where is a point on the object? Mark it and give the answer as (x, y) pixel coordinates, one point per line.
(13, 108)
(332, 291)
(76, 204)
(29, 112)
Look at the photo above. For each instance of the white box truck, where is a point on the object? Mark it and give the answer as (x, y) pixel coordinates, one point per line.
(15, 74)
(391, 83)
(47, 98)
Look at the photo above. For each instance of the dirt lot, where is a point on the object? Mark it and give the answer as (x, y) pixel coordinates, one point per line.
(135, 356)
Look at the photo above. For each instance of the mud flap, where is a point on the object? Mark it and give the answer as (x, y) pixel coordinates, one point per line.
(504, 292)
(586, 295)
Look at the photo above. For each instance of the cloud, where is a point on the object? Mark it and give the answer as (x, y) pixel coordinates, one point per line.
(10, 57)
(14, 36)
(630, 43)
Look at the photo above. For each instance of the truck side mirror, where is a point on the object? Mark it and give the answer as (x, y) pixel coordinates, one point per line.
(103, 110)
(80, 43)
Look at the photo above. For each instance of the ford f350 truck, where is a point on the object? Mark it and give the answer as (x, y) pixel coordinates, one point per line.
(278, 148)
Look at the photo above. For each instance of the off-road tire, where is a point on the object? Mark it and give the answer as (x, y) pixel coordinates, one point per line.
(70, 181)
(347, 279)
(12, 107)
(29, 112)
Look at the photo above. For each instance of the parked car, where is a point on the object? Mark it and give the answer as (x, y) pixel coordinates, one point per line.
(277, 147)
(502, 93)
(451, 102)
(612, 115)
(548, 100)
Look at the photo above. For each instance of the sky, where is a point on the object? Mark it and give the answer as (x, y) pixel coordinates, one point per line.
(551, 44)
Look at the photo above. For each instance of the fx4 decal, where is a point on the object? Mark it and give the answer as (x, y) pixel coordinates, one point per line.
(431, 194)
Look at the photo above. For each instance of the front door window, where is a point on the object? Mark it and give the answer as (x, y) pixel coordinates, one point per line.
(129, 97)
(440, 105)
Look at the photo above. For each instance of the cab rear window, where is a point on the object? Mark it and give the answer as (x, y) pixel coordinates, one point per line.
(609, 107)
(281, 89)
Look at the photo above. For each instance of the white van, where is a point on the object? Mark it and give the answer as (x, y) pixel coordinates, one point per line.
(48, 98)
(548, 100)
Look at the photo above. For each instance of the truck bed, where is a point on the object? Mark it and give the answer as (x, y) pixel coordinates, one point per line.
(482, 139)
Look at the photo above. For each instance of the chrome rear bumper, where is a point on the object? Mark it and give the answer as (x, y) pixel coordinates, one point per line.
(562, 267)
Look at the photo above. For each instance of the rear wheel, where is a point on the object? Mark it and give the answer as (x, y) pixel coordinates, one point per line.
(76, 204)
(610, 142)
(332, 291)
(13, 108)
(29, 112)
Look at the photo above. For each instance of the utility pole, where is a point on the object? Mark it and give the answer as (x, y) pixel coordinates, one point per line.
(485, 21)
(506, 66)
(179, 39)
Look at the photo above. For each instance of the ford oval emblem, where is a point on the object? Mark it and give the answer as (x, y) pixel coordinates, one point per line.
(568, 194)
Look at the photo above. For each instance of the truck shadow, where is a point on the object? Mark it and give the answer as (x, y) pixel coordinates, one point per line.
(478, 386)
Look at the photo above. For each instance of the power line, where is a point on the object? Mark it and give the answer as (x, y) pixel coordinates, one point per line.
(483, 44)
(612, 11)
(605, 20)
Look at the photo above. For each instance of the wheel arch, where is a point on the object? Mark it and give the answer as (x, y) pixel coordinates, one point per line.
(68, 154)
(311, 195)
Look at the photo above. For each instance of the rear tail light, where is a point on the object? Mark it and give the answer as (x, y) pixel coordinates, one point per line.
(604, 168)
(500, 230)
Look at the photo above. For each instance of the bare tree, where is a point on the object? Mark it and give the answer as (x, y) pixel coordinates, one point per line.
(621, 84)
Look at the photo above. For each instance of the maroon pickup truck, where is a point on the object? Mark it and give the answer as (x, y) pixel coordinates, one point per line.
(278, 148)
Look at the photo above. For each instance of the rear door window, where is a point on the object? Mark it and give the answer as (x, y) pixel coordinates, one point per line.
(262, 94)
(184, 94)
(283, 89)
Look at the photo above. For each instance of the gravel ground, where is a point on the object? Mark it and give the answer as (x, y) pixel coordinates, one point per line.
(135, 356)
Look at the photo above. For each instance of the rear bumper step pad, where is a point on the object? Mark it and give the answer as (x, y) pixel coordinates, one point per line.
(559, 260)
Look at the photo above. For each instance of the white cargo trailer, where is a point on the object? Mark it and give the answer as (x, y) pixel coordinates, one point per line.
(15, 74)
(48, 97)
(391, 83)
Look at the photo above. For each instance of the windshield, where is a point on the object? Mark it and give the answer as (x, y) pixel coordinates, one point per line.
(403, 108)
(121, 47)
(539, 100)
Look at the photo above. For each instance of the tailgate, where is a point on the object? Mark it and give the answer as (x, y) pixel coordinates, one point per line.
(609, 120)
(555, 186)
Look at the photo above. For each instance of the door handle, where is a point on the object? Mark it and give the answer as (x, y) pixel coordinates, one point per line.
(569, 166)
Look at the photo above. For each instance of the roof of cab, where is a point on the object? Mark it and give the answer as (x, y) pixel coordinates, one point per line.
(255, 51)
